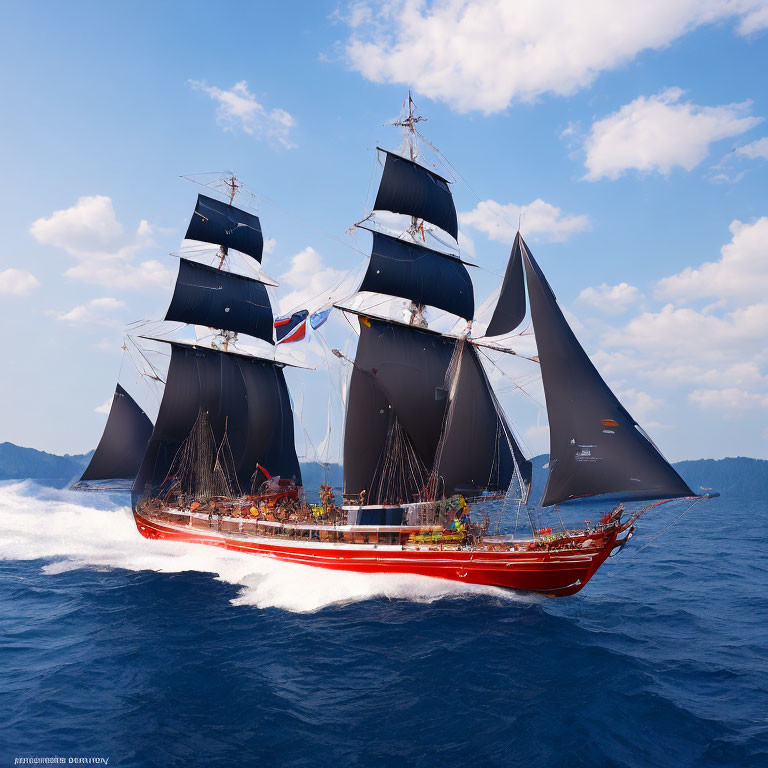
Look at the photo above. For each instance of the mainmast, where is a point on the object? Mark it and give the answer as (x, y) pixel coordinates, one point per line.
(420, 423)
(408, 124)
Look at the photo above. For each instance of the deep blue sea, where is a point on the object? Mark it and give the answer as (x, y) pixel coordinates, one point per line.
(156, 654)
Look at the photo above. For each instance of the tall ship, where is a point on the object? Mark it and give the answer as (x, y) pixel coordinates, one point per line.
(431, 465)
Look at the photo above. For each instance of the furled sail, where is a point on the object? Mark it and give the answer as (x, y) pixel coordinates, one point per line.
(409, 188)
(122, 445)
(510, 308)
(225, 225)
(208, 296)
(410, 271)
(397, 384)
(478, 451)
(596, 447)
(246, 400)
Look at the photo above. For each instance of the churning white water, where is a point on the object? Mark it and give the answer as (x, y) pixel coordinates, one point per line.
(71, 530)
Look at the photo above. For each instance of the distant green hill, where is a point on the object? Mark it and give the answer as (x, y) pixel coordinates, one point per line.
(17, 463)
(738, 478)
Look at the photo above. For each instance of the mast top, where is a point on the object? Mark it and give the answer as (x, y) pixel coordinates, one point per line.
(232, 183)
(408, 124)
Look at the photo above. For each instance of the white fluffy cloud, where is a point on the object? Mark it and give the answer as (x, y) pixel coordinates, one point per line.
(728, 399)
(485, 54)
(17, 282)
(755, 149)
(715, 357)
(312, 283)
(90, 232)
(238, 108)
(538, 220)
(94, 312)
(683, 332)
(611, 299)
(741, 273)
(657, 133)
(88, 226)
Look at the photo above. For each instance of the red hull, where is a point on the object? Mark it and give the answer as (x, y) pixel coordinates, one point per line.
(556, 573)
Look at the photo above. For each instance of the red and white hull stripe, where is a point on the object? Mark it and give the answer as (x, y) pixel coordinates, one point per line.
(556, 572)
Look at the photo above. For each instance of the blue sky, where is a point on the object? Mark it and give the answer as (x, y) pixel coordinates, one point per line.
(631, 140)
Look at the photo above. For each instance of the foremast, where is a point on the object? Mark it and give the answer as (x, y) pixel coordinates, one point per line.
(236, 402)
(224, 336)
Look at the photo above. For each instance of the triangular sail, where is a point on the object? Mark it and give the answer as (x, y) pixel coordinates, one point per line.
(426, 277)
(478, 452)
(123, 442)
(510, 307)
(208, 296)
(225, 225)
(596, 447)
(409, 188)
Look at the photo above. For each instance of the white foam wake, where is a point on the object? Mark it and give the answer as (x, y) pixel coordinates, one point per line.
(75, 530)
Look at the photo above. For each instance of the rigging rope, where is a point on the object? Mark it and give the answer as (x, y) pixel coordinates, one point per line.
(673, 523)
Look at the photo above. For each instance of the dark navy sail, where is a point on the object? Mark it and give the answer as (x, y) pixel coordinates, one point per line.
(510, 308)
(596, 447)
(478, 451)
(399, 374)
(410, 271)
(208, 296)
(409, 188)
(122, 445)
(269, 427)
(222, 224)
(239, 394)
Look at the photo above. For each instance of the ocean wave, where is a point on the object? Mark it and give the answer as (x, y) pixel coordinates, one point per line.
(76, 530)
